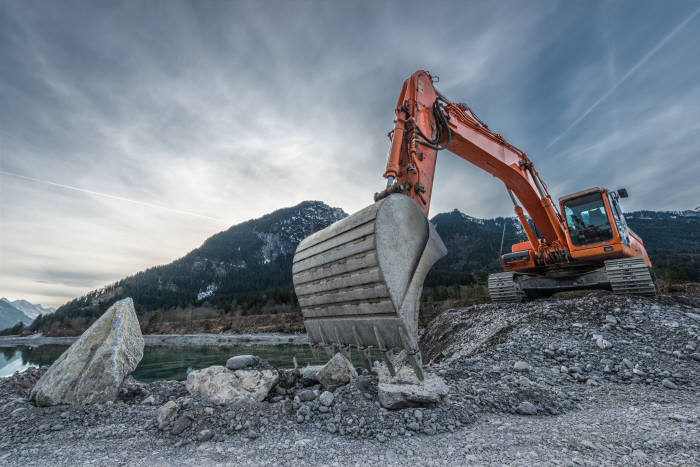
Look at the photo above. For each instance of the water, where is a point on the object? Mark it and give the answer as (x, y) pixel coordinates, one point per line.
(166, 362)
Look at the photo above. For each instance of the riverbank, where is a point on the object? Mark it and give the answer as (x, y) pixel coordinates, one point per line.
(181, 340)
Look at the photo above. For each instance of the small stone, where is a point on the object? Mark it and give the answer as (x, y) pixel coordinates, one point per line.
(413, 426)
(150, 400)
(381, 438)
(304, 410)
(306, 395)
(602, 343)
(521, 366)
(252, 434)
(57, 427)
(209, 410)
(667, 383)
(679, 418)
(326, 398)
(323, 409)
(331, 428)
(166, 413)
(610, 319)
(205, 435)
(336, 373)
(242, 361)
(418, 415)
(694, 316)
(526, 408)
(181, 424)
(391, 456)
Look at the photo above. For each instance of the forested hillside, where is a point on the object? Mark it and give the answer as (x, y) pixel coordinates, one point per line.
(246, 269)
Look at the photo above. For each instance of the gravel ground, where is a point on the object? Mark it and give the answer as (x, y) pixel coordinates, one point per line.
(598, 379)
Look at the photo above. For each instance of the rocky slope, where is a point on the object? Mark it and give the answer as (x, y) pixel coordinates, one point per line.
(598, 379)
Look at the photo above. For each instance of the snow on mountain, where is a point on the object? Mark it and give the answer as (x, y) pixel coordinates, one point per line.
(29, 309)
(10, 316)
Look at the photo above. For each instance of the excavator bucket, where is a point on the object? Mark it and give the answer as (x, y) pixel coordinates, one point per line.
(359, 281)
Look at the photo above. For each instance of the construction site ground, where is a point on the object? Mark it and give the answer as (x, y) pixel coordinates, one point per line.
(597, 379)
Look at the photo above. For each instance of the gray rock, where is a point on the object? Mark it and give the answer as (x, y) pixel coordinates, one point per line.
(667, 383)
(610, 319)
(222, 386)
(309, 374)
(205, 435)
(526, 408)
(242, 361)
(602, 343)
(405, 390)
(306, 395)
(413, 426)
(181, 424)
(304, 410)
(326, 398)
(336, 373)
(521, 366)
(94, 367)
(166, 413)
(694, 316)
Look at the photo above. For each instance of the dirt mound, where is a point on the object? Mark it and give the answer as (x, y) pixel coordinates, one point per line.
(549, 353)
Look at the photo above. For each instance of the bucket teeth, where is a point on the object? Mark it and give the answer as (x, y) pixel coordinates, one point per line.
(327, 344)
(314, 350)
(346, 351)
(386, 352)
(362, 350)
(412, 353)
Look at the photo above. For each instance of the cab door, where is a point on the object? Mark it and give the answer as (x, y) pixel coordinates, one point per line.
(620, 222)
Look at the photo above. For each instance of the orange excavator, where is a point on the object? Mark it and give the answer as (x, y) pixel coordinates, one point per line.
(359, 280)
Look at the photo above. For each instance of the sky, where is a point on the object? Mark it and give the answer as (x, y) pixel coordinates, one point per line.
(132, 131)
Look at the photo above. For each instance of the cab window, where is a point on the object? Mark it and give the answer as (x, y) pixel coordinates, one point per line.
(587, 220)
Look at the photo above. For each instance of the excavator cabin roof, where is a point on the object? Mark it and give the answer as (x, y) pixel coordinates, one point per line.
(582, 193)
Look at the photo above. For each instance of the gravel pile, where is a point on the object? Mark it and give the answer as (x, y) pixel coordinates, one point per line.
(546, 354)
(600, 378)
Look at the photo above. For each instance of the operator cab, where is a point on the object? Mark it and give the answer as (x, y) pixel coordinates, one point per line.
(590, 215)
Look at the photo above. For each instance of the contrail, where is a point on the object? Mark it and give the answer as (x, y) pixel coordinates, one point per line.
(644, 59)
(107, 195)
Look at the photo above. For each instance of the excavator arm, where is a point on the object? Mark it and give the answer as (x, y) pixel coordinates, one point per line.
(426, 122)
(359, 281)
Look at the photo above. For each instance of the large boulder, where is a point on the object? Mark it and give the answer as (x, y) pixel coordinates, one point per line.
(336, 373)
(93, 368)
(221, 386)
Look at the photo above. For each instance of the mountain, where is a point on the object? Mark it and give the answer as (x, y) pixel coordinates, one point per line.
(9, 315)
(29, 309)
(247, 268)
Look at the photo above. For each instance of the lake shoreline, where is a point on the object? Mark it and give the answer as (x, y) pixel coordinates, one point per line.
(183, 340)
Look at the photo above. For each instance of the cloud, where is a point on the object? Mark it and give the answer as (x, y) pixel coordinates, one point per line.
(229, 110)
